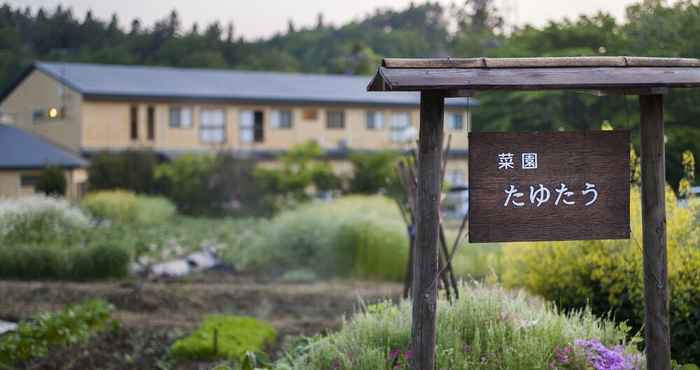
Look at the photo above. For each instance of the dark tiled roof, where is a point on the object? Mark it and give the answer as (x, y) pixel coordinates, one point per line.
(20, 149)
(119, 81)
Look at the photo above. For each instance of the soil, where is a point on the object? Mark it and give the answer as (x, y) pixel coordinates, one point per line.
(153, 314)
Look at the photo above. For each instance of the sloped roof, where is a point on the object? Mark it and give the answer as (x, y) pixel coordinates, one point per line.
(20, 149)
(632, 74)
(119, 81)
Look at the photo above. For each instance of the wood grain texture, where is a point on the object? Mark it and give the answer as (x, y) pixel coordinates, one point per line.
(590, 61)
(574, 78)
(571, 158)
(656, 292)
(425, 267)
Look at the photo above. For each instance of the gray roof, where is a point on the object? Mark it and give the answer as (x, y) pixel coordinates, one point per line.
(117, 81)
(20, 149)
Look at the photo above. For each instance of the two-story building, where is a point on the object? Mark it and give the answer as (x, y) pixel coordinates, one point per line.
(89, 108)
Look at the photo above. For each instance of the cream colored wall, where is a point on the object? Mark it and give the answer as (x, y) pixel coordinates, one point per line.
(39, 91)
(106, 125)
(10, 184)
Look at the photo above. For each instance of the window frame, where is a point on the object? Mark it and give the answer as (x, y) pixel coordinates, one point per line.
(335, 125)
(207, 126)
(178, 123)
(151, 123)
(279, 123)
(374, 114)
(451, 121)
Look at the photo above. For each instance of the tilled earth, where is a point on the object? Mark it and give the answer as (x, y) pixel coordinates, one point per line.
(152, 314)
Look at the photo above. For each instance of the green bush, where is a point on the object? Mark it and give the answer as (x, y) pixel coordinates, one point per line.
(132, 170)
(484, 329)
(34, 338)
(608, 275)
(112, 205)
(51, 181)
(235, 335)
(375, 172)
(125, 207)
(185, 181)
(40, 219)
(99, 259)
(355, 236)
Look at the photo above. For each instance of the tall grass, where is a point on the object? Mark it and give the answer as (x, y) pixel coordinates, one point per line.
(487, 328)
(39, 218)
(352, 236)
(128, 208)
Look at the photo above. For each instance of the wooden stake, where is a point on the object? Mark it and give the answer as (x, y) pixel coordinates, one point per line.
(426, 253)
(656, 293)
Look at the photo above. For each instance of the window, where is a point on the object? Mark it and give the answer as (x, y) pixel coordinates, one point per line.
(375, 120)
(335, 119)
(282, 119)
(180, 117)
(454, 121)
(134, 122)
(251, 128)
(27, 181)
(151, 123)
(401, 130)
(310, 114)
(212, 126)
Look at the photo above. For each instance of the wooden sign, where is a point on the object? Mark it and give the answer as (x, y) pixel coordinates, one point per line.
(548, 186)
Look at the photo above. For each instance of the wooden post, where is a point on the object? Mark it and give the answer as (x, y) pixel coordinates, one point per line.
(427, 218)
(656, 293)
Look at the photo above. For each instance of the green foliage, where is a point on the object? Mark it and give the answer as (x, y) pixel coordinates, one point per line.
(112, 205)
(375, 172)
(131, 170)
(34, 338)
(51, 181)
(211, 185)
(355, 236)
(300, 169)
(87, 260)
(487, 328)
(607, 275)
(125, 207)
(225, 336)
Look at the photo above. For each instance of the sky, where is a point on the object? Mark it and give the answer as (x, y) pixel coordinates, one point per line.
(262, 18)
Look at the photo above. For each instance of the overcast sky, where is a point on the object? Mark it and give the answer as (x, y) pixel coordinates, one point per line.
(262, 18)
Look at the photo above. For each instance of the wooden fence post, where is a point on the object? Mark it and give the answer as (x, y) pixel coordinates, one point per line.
(656, 292)
(425, 262)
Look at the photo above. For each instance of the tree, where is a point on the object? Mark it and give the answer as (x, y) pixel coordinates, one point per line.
(375, 173)
(52, 181)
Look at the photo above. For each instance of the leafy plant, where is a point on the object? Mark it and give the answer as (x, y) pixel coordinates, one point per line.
(128, 208)
(34, 338)
(39, 219)
(225, 336)
(487, 328)
(607, 275)
(51, 181)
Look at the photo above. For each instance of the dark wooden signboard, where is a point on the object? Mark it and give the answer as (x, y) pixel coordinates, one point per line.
(548, 186)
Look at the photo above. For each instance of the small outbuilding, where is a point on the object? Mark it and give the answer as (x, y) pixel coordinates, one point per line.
(24, 155)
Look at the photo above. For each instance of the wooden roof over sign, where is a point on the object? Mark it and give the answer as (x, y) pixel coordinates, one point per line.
(634, 74)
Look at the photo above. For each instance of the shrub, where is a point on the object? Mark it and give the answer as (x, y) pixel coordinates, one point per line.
(484, 329)
(99, 259)
(125, 207)
(39, 219)
(352, 236)
(224, 336)
(131, 170)
(112, 205)
(608, 275)
(374, 172)
(52, 181)
(34, 338)
(185, 181)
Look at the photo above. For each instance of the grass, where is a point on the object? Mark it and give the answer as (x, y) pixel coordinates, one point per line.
(124, 207)
(224, 337)
(488, 328)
